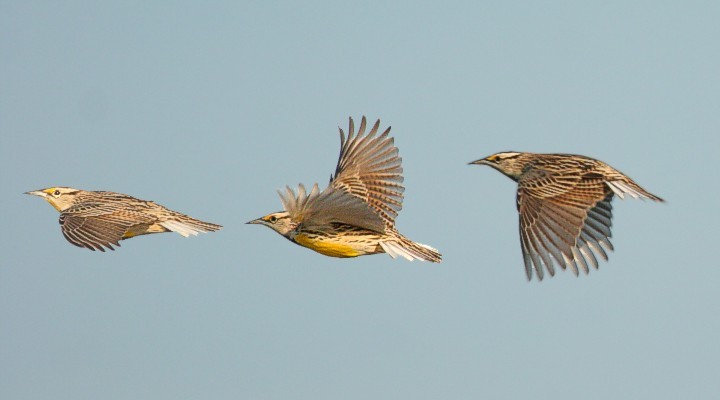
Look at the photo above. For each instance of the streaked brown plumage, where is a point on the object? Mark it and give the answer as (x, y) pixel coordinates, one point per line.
(355, 214)
(98, 220)
(564, 206)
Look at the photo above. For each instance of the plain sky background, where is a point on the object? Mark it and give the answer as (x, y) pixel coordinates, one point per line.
(210, 107)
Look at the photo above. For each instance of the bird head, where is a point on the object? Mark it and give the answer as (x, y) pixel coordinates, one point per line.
(510, 163)
(280, 222)
(59, 197)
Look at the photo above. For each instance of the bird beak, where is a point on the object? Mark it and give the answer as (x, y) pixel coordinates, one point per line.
(255, 221)
(37, 193)
(481, 161)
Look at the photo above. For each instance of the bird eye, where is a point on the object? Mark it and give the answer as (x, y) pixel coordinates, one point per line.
(273, 218)
(56, 193)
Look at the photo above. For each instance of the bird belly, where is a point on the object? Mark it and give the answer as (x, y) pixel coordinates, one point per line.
(333, 247)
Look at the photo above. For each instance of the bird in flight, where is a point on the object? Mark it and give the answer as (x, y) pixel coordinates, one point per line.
(99, 220)
(564, 206)
(355, 214)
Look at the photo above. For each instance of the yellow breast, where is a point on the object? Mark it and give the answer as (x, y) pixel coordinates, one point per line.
(326, 247)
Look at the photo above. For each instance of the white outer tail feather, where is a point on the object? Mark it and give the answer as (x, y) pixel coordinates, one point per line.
(621, 189)
(182, 228)
(395, 249)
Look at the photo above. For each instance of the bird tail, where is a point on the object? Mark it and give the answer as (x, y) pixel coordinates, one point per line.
(187, 226)
(406, 248)
(622, 187)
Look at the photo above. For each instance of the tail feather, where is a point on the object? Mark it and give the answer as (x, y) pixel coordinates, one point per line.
(410, 250)
(622, 188)
(190, 226)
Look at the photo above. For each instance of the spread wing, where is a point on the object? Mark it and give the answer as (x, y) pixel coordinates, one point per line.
(369, 169)
(317, 209)
(366, 189)
(95, 226)
(564, 218)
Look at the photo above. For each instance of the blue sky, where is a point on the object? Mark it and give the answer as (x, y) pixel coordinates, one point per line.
(209, 108)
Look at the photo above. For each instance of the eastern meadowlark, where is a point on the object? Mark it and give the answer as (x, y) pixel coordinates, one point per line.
(564, 206)
(355, 214)
(96, 220)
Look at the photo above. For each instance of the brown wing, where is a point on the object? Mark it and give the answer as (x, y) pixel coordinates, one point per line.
(564, 218)
(315, 209)
(95, 226)
(369, 168)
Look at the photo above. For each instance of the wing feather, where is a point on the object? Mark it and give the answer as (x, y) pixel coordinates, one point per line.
(98, 226)
(366, 189)
(370, 169)
(320, 209)
(566, 217)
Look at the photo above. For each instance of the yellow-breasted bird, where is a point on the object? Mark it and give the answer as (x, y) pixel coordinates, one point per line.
(564, 206)
(355, 214)
(98, 220)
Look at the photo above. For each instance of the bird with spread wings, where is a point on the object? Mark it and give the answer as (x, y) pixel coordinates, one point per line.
(355, 215)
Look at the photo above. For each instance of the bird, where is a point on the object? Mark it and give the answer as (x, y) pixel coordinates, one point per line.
(564, 203)
(97, 220)
(355, 215)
